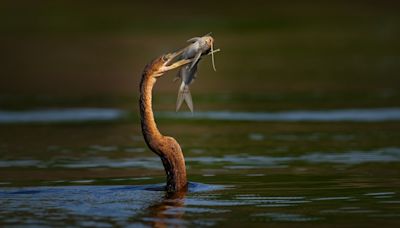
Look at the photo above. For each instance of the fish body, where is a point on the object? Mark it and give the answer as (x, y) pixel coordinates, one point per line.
(199, 46)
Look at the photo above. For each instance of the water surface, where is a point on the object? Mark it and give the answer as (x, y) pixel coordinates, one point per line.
(246, 173)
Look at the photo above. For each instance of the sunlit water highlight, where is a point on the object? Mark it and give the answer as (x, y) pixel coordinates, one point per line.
(353, 115)
(61, 115)
(107, 114)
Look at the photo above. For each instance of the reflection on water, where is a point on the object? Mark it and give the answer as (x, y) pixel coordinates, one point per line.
(169, 211)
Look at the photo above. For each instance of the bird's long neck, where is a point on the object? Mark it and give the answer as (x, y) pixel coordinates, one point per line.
(149, 126)
(165, 147)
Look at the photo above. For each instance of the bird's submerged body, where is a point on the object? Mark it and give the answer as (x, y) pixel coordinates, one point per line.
(199, 46)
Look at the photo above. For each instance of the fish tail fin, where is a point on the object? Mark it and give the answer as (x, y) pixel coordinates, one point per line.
(184, 95)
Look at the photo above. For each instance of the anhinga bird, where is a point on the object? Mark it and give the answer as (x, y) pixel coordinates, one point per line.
(167, 148)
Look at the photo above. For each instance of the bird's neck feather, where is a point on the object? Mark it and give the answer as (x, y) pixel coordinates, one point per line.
(165, 147)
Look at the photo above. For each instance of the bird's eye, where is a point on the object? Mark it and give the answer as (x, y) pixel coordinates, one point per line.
(164, 58)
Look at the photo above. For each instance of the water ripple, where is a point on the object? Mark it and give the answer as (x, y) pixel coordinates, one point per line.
(61, 115)
(352, 115)
(230, 161)
(274, 216)
(391, 154)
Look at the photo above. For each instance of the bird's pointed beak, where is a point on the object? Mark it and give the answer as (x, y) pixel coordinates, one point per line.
(171, 56)
(172, 62)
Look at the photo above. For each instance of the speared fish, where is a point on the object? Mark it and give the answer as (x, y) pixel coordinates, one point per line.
(199, 46)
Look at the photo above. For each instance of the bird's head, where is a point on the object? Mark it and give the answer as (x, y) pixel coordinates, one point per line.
(168, 62)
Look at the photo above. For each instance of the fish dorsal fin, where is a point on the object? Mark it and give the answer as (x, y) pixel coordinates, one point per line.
(194, 39)
(207, 34)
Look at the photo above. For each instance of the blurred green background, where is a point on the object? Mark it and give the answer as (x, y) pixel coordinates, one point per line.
(276, 55)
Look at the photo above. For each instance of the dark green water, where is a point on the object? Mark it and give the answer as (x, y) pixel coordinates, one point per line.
(245, 173)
